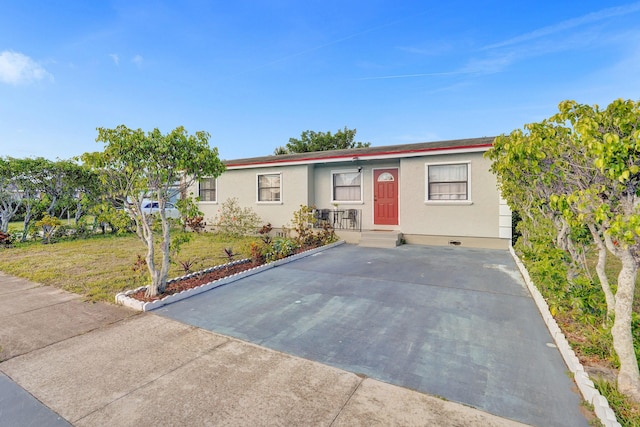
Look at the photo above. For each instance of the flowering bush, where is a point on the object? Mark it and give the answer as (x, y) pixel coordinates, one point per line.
(305, 234)
(235, 221)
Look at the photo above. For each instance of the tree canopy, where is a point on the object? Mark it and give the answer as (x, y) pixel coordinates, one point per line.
(137, 166)
(580, 169)
(38, 185)
(322, 141)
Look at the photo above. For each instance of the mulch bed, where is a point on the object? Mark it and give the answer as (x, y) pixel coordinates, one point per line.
(202, 279)
(195, 281)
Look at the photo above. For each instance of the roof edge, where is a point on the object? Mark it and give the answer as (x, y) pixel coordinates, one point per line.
(373, 153)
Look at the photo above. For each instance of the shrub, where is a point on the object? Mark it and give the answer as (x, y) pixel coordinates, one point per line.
(235, 221)
(305, 234)
(195, 223)
(49, 224)
(5, 239)
(280, 248)
(264, 233)
(257, 255)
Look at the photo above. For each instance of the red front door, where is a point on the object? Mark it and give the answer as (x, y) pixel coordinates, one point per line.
(385, 196)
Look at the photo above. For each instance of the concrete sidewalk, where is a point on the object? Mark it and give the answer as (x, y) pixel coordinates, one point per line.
(99, 364)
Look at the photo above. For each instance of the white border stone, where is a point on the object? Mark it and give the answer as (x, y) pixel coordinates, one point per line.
(123, 298)
(585, 385)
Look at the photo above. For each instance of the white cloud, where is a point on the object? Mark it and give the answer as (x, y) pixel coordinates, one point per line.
(115, 57)
(568, 24)
(137, 60)
(16, 68)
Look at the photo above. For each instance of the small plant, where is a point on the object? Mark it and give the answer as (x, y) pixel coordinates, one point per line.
(196, 223)
(5, 239)
(264, 233)
(257, 256)
(140, 270)
(49, 224)
(280, 248)
(187, 264)
(229, 253)
(235, 221)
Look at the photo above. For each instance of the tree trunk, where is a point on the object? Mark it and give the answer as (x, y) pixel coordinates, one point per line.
(78, 213)
(561, 237)
(52, 207)
(600, 270)
(166, 246)
(628, 375)
(4, 222)
(152, 288)
(146, 234)
(26, 223)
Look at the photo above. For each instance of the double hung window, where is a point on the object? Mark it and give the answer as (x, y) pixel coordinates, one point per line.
(346, 186)
(448, 181)
(207, 190)
(270, 187)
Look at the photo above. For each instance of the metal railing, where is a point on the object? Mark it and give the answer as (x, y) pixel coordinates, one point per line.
(339, 219)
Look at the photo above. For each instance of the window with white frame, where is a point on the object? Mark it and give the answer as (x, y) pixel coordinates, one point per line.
(347, 186)
(207, 190)
(448, 181)
(269, 187)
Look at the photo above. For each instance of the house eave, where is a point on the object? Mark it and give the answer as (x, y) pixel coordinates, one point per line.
(355, 155)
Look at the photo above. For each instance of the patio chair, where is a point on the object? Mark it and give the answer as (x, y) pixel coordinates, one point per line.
(352, 218)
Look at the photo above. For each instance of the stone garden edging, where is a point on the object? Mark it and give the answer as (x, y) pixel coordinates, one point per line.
(123, 298)
(587, 389)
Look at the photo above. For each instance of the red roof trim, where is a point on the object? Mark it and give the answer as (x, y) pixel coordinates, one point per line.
(351, 156)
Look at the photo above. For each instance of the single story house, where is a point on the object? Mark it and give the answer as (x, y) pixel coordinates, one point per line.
(437, 193)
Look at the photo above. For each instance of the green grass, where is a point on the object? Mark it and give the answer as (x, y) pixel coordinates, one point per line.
(101, 266)
(15, 226)
(627, 413)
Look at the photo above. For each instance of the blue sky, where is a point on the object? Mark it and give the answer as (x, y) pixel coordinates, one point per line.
(255, 73)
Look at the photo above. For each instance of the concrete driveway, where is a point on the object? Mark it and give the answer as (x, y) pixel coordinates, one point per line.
(453, 322)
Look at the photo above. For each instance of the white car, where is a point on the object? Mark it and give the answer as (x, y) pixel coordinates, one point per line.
(152, 207)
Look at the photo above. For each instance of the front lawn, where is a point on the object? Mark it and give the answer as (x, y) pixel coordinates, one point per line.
(101, 266)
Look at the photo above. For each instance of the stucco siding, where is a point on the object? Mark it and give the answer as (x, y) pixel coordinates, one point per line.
(324, 186)
(478, 217)
(242, 184)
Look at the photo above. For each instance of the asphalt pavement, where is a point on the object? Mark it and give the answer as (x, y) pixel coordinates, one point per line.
(452, 322)
(64, 361)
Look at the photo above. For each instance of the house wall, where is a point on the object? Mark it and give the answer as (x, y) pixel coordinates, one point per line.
(324, 186)
(471, 223)
(242, 184)
(483, 221)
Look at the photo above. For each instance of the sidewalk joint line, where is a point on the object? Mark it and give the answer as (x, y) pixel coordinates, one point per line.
(362, 378)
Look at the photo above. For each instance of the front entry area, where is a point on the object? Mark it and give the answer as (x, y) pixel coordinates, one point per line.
(385, 196)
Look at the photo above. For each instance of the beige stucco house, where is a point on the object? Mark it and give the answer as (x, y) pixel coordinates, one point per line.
(440, 193)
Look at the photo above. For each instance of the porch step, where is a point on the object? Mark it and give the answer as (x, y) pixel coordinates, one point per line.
(380, 239)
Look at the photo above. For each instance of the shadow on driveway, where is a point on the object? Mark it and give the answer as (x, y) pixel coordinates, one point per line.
(453, 322)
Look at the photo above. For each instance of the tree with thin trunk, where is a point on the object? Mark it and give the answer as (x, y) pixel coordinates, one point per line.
(139, 167)
(10, 196)
(584, 163)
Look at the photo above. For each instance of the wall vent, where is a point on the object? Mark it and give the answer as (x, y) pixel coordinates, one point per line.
(455, 242)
